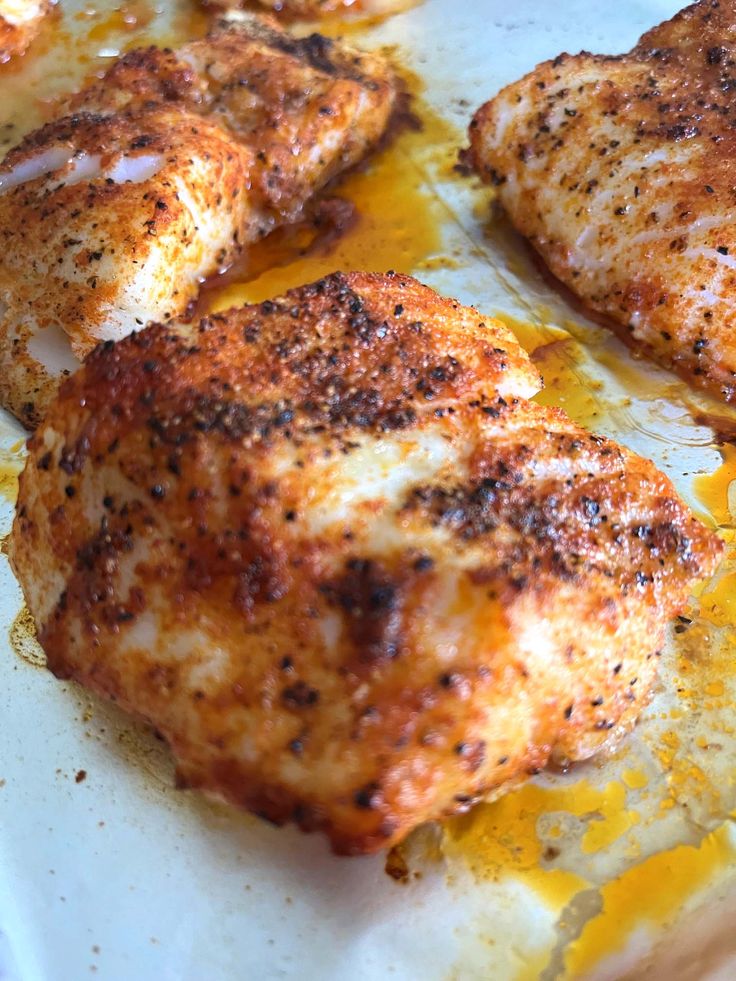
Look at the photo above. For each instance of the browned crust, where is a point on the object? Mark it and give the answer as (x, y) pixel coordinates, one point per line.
(170, 446)
(249, 123)
(674, 89)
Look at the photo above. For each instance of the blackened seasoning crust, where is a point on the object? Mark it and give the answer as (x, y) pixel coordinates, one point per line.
(158, 175)
(348, 594)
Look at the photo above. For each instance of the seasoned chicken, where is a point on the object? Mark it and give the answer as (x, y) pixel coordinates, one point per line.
(331, 551)
(158, 175)
(621, 171)
(19, 23)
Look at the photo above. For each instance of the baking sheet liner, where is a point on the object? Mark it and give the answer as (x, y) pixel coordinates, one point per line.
(614, 869)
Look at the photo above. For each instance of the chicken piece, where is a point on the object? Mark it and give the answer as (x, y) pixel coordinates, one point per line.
(157, 176)
(19, 24)
(621, 173)
(327, 546)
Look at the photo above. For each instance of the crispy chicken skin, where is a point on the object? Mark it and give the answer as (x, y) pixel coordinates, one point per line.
(157, 176)
(19, 23)
(327, 546)
(621, 172)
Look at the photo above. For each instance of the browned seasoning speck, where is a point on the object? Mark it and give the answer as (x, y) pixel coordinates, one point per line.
(396, 866)
(22, 638)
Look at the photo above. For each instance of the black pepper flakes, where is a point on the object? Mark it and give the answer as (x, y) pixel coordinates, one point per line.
(300, 695)
(367, 798)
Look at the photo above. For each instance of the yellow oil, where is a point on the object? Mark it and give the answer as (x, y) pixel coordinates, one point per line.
(650, 894)
(11, 465)
(8, 481)
(718, 601)
(558, 356)
(501, 839)
(713, 490)
(396, 223)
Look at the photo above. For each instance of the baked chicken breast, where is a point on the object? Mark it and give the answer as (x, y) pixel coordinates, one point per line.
(330, 549)
(19, 23)
(157, 176)
(621, 172)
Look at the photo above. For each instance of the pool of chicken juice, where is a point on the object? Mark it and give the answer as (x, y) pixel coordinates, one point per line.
(557, 355)
(717, 492)
(383, 215)
(8, 480)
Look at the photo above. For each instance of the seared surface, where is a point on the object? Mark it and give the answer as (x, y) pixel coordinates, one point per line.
(157, 176)
(621, 172)
(331, 551)
(19, 23)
